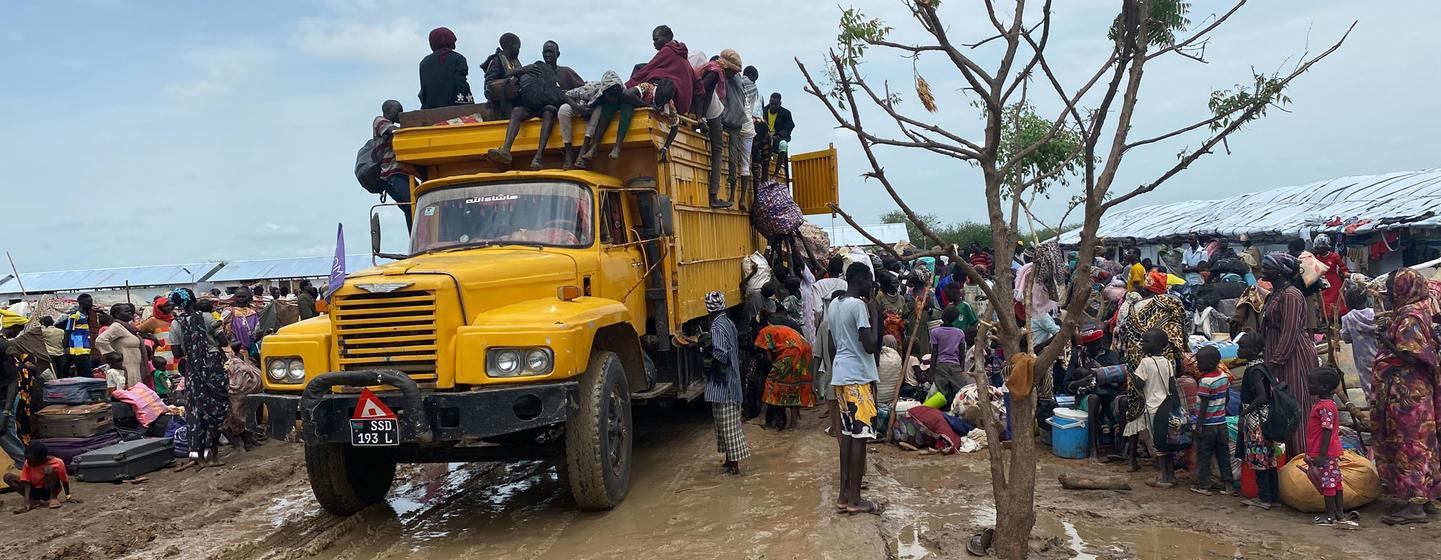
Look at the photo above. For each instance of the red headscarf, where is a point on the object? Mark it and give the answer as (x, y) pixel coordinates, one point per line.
(1155, 282)
(442, 40)
(155, 310)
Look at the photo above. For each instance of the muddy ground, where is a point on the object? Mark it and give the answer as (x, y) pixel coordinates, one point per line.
(259, 506)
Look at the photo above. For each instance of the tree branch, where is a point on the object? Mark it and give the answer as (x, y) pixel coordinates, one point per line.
(1235, 125)
(1181, 46)
(874, 241)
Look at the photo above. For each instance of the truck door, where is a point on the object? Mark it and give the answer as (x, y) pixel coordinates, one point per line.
(621, 263)
(816, 184)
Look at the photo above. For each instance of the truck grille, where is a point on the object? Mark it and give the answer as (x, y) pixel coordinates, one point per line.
(394, 330)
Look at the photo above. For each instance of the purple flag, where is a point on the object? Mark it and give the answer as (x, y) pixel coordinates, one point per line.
(337, 266)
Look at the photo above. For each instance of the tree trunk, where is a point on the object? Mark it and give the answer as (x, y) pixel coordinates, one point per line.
(1015, 505)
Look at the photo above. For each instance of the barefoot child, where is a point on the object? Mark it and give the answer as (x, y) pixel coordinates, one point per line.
(42, 479)
(115, 372)
(1323, 447)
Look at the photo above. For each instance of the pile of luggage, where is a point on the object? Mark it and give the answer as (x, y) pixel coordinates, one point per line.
(100, 440)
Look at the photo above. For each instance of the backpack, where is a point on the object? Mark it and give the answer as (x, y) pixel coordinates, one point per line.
(1171, 426)
(367, 167)
(1285, 412)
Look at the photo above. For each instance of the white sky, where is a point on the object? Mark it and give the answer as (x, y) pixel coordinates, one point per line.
(160, 132)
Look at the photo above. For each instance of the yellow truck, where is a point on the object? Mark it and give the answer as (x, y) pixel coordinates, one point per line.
(533, 309)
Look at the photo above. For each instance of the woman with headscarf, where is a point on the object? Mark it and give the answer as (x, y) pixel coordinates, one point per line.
(1151, 308)
(1290, 352)
(723, 385)
(1336, 272)
(1405, 406)
(122, 338)
(207, 390)
(158, 325)
(443, 73)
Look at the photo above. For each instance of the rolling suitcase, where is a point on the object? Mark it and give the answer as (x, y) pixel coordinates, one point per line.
(123, 460)
(76, 390)
(68, 448)
(78, 421)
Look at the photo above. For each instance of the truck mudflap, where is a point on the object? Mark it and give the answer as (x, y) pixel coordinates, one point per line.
(320, 416)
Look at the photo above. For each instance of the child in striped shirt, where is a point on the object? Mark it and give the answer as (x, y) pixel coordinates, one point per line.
(1211, 438)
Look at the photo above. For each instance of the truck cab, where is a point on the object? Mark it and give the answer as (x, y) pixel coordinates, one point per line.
(530, 311)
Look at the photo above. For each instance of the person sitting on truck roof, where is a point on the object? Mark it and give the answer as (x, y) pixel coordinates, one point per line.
(711, 108)
(394, 178)
(540, 96)
(670, 61)
(443, 73)
(597, 102)
(779, 122)
(660, 94)
(502, 77)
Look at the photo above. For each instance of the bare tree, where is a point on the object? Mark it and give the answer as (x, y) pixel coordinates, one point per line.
(1015, 166)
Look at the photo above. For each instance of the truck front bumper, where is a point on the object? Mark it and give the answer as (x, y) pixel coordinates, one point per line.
(321, 416)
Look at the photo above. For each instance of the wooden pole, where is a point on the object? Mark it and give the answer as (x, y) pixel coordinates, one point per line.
(16, 272)
(906, 356)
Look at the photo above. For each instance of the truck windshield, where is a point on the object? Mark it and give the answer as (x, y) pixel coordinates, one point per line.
(536, 213)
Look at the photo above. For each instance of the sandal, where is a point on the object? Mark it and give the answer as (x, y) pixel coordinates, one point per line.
(1323, 520)
(1399, 520)
(867, 507)
(980, 542)
(1201, 491)
(54, 503)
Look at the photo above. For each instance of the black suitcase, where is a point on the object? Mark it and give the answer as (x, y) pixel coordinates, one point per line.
(78, 421)
(123, 460)
(76, 390)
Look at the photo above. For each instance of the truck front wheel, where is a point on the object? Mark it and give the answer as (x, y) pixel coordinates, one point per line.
(598, 436)
(346, 479)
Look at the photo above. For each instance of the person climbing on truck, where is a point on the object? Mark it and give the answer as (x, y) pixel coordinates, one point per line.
(394, 177)
(711, 108)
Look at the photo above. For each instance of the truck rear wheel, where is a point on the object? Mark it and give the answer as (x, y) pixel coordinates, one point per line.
(346, 479)
(598, 436)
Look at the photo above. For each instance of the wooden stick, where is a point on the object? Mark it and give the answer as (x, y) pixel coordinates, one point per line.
(16, 272)
(906, 356)
(1075, 481)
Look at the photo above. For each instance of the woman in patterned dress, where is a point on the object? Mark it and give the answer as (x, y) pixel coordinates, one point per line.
(788, 385)
(198, 341)
(1404, 421)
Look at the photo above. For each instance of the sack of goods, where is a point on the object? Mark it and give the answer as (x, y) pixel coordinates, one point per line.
(1360, 485)
(775, 212)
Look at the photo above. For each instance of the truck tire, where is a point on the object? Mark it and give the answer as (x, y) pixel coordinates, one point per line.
(598, 436)
(346, 479)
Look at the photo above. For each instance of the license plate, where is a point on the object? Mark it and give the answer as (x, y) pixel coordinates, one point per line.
(374, 432)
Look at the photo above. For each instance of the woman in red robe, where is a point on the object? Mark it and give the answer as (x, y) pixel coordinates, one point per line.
(1336, 273)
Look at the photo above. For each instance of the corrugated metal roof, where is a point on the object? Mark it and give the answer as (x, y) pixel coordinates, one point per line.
(844, 235)
(277, 269)
(108, 278)
(1393, 200)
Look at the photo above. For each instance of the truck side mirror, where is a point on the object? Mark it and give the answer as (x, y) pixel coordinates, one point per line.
(374, 233)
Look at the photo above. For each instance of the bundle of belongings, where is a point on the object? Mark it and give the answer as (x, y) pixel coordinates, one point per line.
(104, 435)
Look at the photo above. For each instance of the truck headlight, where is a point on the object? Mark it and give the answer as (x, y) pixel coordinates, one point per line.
(538, 361)
(285, 370)
(277, 369)
(296, 372)
(516, 362)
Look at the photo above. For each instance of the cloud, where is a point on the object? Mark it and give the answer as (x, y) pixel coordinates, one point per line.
(400, 40)
(222, 70)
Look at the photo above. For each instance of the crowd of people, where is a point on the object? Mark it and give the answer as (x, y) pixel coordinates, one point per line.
(187, 362)
(718, 92)
(887, 342)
